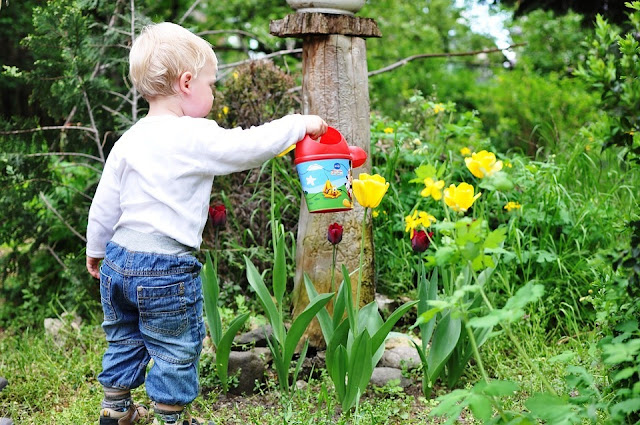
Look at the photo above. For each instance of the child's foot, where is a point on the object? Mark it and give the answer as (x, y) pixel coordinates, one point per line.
(127, 417)
(179, 418)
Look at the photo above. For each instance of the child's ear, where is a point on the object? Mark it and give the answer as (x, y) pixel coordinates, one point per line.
(184, 82)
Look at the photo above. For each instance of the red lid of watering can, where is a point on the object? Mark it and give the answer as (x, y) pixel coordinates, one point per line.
(330, 145)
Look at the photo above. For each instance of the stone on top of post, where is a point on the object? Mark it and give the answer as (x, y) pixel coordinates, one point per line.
(340, 7)
(299, 24)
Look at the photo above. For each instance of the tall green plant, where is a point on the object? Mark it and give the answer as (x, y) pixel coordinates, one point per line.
(284, 342)
(222, 340)
(355, 344)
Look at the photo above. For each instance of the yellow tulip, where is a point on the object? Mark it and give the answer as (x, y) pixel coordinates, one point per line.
(432, 188)
(460, 198)
(369, 190)
(483, 163)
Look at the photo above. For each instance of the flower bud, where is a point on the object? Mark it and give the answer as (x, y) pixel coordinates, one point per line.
(218, 216)
(334, 235)
(421, 240)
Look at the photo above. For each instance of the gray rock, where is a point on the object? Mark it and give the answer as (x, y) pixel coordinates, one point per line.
(384, 375)
(385, 304)
(59, 329)
(6, 421)
(256, 337)
(264, 353)
(252, 368)
(400, 357)
(3, 383)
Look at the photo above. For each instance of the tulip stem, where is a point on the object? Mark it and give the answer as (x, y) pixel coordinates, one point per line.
(273, 201)
(215, 255)
(364, 228)
(333, 268)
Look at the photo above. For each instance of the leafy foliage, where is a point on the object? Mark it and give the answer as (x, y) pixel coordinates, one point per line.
(612, 68)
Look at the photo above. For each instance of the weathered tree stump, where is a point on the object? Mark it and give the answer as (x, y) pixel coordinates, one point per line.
(334, 86)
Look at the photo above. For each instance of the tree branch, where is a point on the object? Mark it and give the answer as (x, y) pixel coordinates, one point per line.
(270, 55)
(52, 252)
(439, 55)
(189, 11)
(84, 155)
(93, 122)
(57, 214)
(53, 183)
(50, 127)
(232, 31)
(134, 92)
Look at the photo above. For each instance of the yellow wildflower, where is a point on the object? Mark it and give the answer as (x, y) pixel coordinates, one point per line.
(432, 188)
(369, 189)
(375, 213)
(388, 130)
(225, 110)
(483, 163)
(460, 198)
(437, 108)
(511, 205)
(416, 219)
(235, 75)
(465, 151)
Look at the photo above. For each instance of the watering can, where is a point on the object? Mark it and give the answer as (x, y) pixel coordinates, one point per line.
(324, 168)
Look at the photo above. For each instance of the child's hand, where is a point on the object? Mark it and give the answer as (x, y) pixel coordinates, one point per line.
(316, 126)
(93, 266)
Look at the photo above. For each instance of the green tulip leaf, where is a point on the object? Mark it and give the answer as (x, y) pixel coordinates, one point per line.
(210, 293)
(427, 291)
(223, 349)
(444, 341)
(381, 335)
(257, 283)
(300, 324)
(279, 271)
(340, 304)
(324, 319)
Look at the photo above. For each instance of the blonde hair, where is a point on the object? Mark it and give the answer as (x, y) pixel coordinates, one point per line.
(161, 53)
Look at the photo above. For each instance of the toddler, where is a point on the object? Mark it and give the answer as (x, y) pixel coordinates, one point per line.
(147, 218)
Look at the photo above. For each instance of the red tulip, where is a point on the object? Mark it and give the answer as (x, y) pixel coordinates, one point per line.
(218, 216)
(421, 240)
(334, 234)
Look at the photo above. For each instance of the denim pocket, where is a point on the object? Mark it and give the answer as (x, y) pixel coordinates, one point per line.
(105, 298)
(163, 309)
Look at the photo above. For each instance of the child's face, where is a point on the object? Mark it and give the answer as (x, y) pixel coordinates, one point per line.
(200, 99)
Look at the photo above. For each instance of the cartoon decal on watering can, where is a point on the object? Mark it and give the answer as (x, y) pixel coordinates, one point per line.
(324, 169)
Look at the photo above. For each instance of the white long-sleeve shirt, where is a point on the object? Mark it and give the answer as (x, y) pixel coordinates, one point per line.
(159, 174)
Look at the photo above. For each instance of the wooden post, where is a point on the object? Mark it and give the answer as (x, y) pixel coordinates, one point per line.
(334, 86)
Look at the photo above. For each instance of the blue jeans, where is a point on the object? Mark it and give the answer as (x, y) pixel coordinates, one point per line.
(152, 306)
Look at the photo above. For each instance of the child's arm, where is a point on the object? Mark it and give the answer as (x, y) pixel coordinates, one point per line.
(103, 215)
(228, 151)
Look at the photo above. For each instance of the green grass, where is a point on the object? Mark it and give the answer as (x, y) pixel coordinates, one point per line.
(52, 384)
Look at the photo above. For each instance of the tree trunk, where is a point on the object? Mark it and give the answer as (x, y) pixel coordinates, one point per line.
(335, 87)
